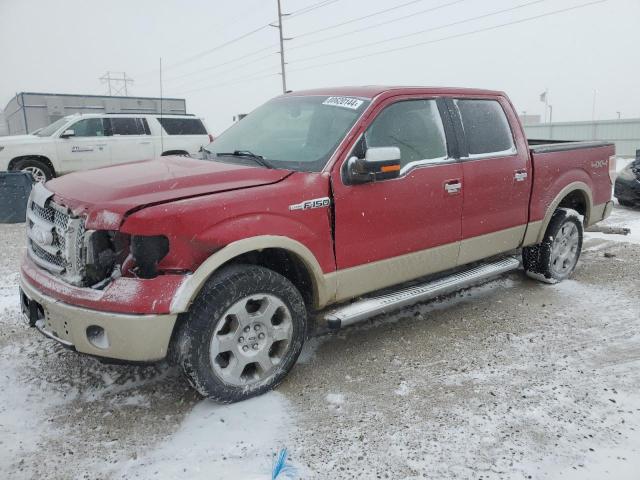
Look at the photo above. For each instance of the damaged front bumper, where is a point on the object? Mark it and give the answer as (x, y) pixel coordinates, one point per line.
(120, 322)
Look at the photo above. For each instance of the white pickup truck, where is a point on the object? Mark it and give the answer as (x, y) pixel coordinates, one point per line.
(87, 141)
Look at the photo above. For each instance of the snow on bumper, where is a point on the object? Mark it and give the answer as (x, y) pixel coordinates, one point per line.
(136, 338)
(129, 320)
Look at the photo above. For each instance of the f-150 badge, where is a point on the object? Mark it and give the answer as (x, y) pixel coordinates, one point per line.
(315, 203)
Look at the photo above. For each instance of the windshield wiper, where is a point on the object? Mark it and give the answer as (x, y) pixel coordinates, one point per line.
(259, 159)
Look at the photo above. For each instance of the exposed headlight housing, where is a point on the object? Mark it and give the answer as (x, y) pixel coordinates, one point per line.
(147, 251)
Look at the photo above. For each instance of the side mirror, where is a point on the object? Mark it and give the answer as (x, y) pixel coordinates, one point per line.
(379, 163)
(68, 133)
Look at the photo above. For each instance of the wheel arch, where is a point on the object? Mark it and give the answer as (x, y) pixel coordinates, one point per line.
(286, 256)
(42, 158)
(576, 195)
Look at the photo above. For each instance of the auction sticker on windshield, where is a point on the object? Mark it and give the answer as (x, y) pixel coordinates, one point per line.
(345, 102)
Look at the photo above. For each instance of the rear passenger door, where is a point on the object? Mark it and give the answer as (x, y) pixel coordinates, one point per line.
(496, 178)
(130, 140)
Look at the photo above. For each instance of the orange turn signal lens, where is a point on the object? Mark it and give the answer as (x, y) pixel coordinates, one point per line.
(390, 168)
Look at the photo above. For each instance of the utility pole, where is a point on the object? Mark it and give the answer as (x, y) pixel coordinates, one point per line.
(117, 83)
(282, 39)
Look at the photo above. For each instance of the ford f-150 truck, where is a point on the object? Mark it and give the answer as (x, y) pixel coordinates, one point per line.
(321, 207)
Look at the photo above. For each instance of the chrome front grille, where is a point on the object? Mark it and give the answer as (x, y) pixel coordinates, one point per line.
(55, 238)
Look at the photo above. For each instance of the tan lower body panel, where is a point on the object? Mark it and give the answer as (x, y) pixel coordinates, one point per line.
(484, 246)
(600, 212)
(355, 281)
(136, 338)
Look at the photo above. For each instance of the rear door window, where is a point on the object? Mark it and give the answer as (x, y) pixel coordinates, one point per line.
(182, 126)
(486, 128)
(127, 126)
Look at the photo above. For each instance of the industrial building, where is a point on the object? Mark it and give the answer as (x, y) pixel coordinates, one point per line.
(29, 111)
(625, 133)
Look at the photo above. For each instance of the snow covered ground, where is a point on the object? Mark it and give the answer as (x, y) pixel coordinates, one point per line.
(513, 379)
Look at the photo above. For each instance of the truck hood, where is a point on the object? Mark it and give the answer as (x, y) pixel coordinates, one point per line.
(20, 139)
(107, 194)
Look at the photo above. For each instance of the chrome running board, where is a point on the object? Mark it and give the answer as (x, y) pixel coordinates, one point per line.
(369, 307)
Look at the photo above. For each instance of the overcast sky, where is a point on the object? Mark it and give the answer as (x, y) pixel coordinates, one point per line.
(65, 46)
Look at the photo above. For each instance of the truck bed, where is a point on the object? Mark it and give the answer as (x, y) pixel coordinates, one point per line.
(547, 146)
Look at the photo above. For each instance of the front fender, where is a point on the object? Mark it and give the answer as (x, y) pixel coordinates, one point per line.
(324, 285)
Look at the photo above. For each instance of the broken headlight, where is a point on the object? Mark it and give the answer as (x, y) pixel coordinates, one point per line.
(147, 251)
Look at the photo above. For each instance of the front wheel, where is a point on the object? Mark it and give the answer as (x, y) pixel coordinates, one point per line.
(243, 333)
(556, 257)
(39, 170)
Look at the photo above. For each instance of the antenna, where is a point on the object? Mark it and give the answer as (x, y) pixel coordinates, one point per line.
(161, 109)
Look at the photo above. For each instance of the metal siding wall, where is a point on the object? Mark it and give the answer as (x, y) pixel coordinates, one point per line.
(43, 109)
(624, 133)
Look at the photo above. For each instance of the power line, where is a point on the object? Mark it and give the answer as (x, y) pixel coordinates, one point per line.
(218, 47)
(437, 40)
(404, 17)
(311, 8)
(224, 72)
(234, 60)
(419, 32)
(232, 80)
(336, 25)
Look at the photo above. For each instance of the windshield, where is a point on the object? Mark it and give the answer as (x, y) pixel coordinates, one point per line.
(298, 133)
(51, 129)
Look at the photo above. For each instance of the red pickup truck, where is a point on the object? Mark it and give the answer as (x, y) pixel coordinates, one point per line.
(321, 207)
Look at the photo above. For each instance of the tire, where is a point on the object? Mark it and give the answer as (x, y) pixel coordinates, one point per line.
(556, 257)
(39, 170)
(625, 203)
(243, 333)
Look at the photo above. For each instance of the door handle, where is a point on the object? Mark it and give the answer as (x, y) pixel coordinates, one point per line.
(145, 143)
(520, 175)
(452, 187)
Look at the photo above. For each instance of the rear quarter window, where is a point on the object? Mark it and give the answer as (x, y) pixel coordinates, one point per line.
(486, 127)
(183, 126)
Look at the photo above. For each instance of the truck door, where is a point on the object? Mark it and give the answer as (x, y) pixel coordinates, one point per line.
(496, 178)
(87, 148)
(131, 140)
(395, 230)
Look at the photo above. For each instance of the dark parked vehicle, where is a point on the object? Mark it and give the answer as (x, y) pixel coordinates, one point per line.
(627, 189)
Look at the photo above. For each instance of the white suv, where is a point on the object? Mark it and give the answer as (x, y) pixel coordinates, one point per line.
(86, 141)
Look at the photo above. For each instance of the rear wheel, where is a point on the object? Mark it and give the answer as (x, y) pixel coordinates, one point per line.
(243, 333)
(39, 170)
(556, 257)
(625, 203)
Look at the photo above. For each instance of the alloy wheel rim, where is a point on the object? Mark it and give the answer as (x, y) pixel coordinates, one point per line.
(37, 173)
(251, 339)
(564, 249)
